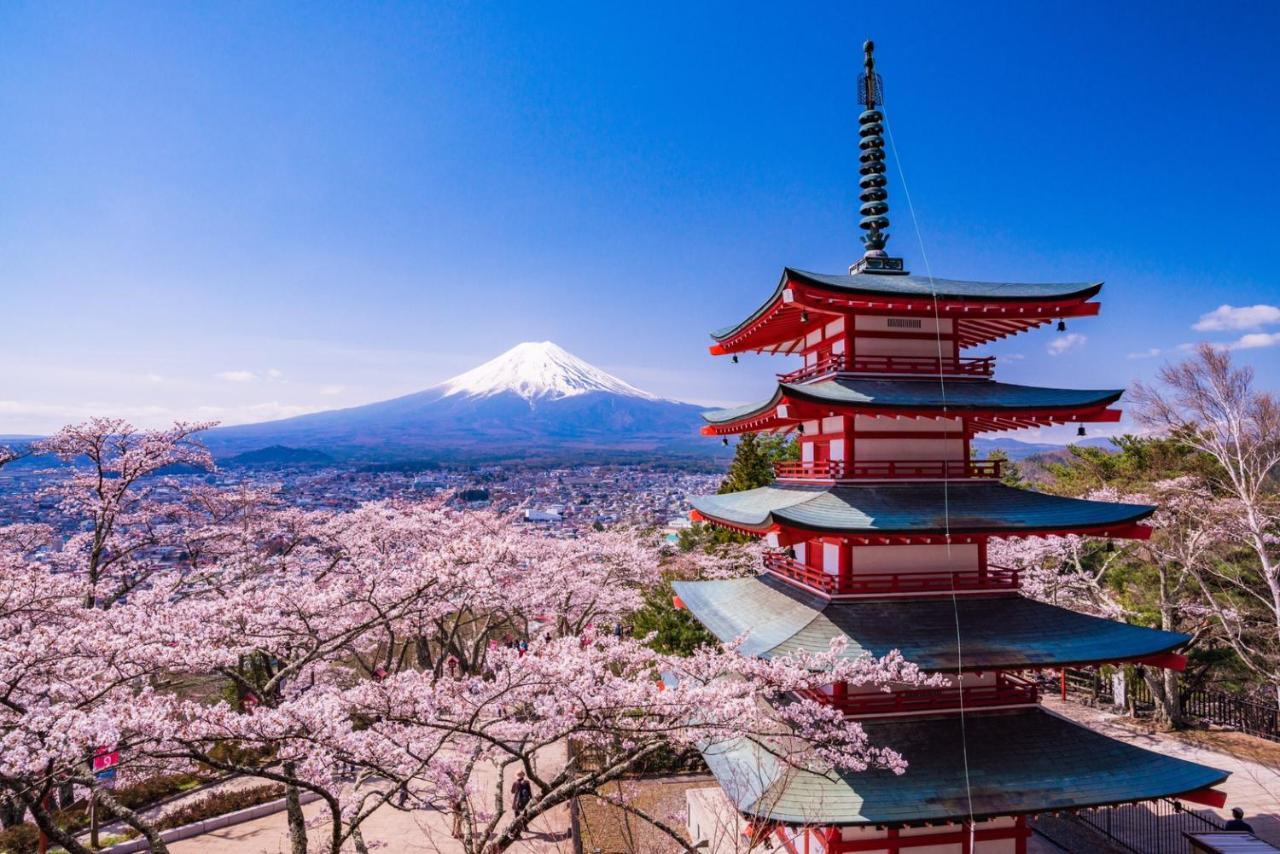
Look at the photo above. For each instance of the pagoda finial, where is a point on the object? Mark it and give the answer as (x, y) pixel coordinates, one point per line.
(872, 168)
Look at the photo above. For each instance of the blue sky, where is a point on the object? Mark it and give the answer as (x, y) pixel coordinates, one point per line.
(243, 211)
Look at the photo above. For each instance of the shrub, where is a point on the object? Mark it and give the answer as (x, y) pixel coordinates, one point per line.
(19, 839)
(220, 803)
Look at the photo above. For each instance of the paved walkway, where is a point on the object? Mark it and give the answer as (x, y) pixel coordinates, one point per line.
(387, 830)
(1254, 786)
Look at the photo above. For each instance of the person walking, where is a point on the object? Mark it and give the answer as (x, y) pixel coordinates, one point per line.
(521, 794)
(1237, 822)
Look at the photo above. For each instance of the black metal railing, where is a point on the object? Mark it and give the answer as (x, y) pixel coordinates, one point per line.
(1253, 717)
(1151, 827)
(1239, 713)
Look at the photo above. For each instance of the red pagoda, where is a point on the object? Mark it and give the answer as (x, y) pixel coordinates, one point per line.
(879, 534)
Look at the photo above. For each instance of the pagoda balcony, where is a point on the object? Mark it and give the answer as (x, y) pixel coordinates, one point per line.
(1009, 690)
(980, 366)
(994, 578)
(827, 471)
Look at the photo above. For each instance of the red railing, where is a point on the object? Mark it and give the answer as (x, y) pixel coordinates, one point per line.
(1008, 691)
(788, 567)
(891, 583)
(832, 364)
(888, 583)
(887, 469)
(980, 366)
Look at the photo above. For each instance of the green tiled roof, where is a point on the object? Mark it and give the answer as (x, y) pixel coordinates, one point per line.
(1019, 762)
(914, 508)
(775, 618)
(873, 284)
(957, 396)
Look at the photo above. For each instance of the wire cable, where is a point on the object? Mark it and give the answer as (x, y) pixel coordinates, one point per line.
(946, 486)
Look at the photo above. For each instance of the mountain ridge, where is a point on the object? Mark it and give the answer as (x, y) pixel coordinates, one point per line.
(534, 400)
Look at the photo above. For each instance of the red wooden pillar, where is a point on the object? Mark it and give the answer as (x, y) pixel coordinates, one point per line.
(844, 567)
(982, 561)
(1062, 680)
(1020, 846)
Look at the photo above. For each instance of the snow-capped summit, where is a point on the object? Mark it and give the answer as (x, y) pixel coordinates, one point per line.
(538, 370)
(535, 402)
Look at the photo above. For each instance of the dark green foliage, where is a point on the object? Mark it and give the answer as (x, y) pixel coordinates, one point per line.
(1010, 473)
(753, 460)
(1132, 464)
(677, 632)
(708, 537)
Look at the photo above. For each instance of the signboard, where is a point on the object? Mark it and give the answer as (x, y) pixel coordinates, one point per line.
(105, 759)
(104, 764)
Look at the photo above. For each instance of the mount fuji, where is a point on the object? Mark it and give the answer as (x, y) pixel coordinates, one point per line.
(536, 401)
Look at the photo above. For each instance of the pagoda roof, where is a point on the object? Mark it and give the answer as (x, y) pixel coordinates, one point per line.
(911, 508)
(971, 398)
(986, 311)
(882, 284)
(774, 618)
(1017, 762)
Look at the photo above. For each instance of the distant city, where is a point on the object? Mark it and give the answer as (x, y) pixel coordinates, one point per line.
(562, 501)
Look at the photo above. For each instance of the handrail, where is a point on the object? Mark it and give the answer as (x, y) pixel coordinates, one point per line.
(966, 366)
(890, 583)
(980, 366)
(1009, 690)
(788, 567)
(931, 582)
(887, 469)
(832, 364)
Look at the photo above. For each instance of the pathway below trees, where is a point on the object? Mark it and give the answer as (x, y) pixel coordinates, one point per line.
(1254, 786)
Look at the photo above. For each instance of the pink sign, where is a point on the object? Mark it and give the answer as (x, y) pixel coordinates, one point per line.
(105, 758)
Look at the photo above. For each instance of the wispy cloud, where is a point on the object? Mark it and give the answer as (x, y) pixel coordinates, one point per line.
(1149, 353)
(1254, 341)
(1230, 318)
(331, 390)
(1064, 343)
(237, 376)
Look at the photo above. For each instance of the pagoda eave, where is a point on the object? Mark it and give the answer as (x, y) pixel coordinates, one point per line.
(785, 413)
(772, 617)
(894, 511)
(797, 308)
(786, 534)
(1031, 762)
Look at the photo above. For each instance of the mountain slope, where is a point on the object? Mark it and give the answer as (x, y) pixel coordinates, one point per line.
(534, 401)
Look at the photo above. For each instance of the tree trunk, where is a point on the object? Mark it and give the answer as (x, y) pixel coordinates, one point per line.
(297, 821)
(134, 820)
(50, 828)
(1166, 694)
(11, 811)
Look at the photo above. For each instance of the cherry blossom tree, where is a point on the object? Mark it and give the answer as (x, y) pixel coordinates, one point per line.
(1210, 404)
(110, 494)
(401, 655)
(325, 636)
(70, 674)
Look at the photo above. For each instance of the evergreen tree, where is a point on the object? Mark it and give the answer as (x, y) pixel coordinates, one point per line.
(676, 632)
(753, 460)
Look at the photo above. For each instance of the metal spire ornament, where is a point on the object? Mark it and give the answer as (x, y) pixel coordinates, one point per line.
(871, 170)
